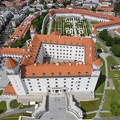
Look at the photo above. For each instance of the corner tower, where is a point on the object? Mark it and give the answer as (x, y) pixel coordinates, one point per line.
(14, 76)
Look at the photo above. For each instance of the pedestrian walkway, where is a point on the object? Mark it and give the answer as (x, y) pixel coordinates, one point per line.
(104, 56)
(49, 28)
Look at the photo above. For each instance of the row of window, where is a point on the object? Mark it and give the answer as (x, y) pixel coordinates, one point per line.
(62, 46)
(57, 79)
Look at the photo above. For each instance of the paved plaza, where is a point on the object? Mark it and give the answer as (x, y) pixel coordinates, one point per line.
(3, 77)
(57, 109)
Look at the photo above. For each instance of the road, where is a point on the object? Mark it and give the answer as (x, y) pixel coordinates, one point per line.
(6, 33)
(104, 56)
(16, 112)
(104, 47)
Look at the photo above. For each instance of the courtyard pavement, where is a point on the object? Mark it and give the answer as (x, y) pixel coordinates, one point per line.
(57, 109)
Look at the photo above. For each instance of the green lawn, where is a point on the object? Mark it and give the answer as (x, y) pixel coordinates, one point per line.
(3, 106)
(94, 22)
(103, 115)
(90, 105)
(25, 106)
(14, 104)
(90, 116)
(101, 81)
(15, 117)
(1, 92)
(98, 46)
(112, 95)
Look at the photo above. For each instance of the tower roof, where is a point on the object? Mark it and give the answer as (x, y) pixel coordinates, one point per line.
(97, 62)
(9, 90)
(10, 63)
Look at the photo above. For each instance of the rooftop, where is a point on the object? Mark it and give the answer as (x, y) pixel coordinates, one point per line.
(9, 90)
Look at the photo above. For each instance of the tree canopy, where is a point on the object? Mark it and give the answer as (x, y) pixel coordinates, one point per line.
(113, 42)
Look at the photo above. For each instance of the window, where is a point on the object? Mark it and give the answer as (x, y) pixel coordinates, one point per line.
(87, 84)
(39, 86)
(72, 78)
(38, 82)
(64, 82)
(71, 88)
(64, 85)
(88, 78)
(64, 78)
(71, 85)
(56, 82)
(47, 82)
(39, 89)
(48, 86)
(31, 89)
(47, 79)
(79, 73)
(71, 81)
(30, 86)
(68, 73)
(56, 85)
(56, 79)
(86, 88)
(79, 78)
(28, 79)
(29, 83)
(37, 79)
(78, 81)
(77, 88)
(88, 81)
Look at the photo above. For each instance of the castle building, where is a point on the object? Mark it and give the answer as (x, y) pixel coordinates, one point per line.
(54, 64)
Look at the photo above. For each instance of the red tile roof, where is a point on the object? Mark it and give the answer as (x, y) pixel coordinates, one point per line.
(112, 19)
(98, 62)
(31, 70)
(10, 63)
(12, 51)
(9, 90)
(118, 30)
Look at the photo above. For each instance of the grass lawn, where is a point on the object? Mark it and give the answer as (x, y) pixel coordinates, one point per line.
(98, 46)
(94, 22)
(101, 81)
(106, 115)
(14, 104)
(3, 106)
(90, 116)
(1, 92)
(16, 116)
(25, 106)
(112, 95)
(90, 105)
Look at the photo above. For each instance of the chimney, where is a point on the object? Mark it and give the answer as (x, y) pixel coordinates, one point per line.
(28, 55)
(76, 63)
(57, 64)
(34, 64)
(28, 50)
(70, 64)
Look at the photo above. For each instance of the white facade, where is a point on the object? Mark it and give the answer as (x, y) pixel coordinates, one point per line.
(63, 84)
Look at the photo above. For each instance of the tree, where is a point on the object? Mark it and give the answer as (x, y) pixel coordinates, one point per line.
(117, 40)
(103, 34)
(117, 7)
(116, 50)
(109, 41)
(93, 9)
